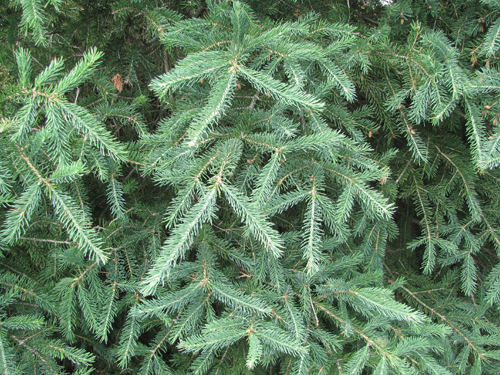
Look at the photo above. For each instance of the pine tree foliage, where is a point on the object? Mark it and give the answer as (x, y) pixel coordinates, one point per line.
(243, 187)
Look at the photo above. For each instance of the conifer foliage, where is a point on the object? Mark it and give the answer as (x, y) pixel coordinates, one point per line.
(243, 187)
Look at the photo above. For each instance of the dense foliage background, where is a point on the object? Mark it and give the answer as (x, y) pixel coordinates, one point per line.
(249, 187)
